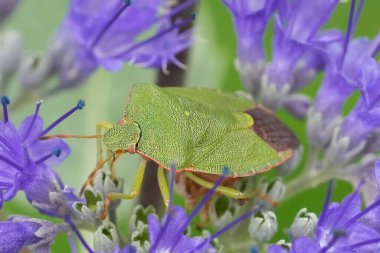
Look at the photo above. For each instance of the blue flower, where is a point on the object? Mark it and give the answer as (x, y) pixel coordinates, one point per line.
(295, 59)
(18, 232)
(169, 234)
(108, 33)
(163, 237)
(296, 54)
(346, 63)
(26, 162)
(344, 227)
(251, 18)
(364, 119)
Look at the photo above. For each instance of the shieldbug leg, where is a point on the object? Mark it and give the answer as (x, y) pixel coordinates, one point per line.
(112, 166)
(98, 167)
(233, 193)
(163, 186)
(134, 191)
(230, 192)
(102, 125)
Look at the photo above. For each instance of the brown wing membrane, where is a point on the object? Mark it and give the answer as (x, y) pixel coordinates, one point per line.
(272, 130)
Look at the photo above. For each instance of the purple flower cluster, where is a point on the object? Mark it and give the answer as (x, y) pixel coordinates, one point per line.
(297, 40)
(169, 235)
(21, 231)
(351, 66)
(344, 227)
(109, 33)
(26, 162)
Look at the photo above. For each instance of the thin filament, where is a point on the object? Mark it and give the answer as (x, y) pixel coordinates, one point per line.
(38, 105)
(327, 201)
(349, 32)
(69, 136)
(79, 106)
(5, 102)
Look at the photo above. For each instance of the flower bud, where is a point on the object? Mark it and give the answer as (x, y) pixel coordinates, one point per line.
(139, 228)
(223, 210)
(106, 239)
(93, 209)
(276, 190)
(105, 184)
(304, 224)
(263, 227)
(10, 53)
(34, 70)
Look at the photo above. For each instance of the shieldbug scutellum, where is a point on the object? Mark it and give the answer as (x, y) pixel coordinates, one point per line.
(198, 130)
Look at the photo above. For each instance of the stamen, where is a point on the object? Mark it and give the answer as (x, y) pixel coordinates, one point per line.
(11, 163)
(8, 147)
(362, 213)
(358, 12)
(158, 35)
(350, 28)
(69, 136)
(79, 106)
(364, 243)
(76, 231)
(55, 153)
(327, 201)
(72, 244)
(377, 49)
(110, 23)
(38, 105)
(201, 204)
(5, 101)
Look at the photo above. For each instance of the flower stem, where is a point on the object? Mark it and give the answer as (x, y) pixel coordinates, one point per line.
(309, 179)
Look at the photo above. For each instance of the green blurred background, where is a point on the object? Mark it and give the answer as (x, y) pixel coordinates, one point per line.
(210, 65)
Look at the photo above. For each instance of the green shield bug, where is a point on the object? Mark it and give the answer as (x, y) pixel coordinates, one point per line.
(199, 130)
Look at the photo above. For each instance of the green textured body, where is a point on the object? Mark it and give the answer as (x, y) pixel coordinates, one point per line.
(195, 129)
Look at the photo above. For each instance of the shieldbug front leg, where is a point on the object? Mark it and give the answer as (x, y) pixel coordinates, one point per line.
(102, 125)
(99, 148)
(134, 191)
